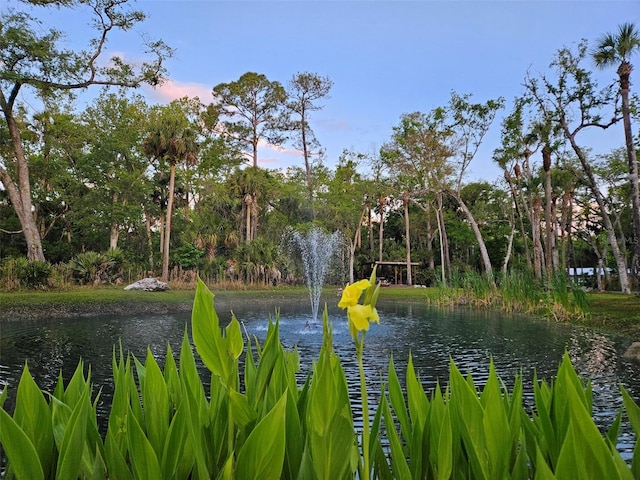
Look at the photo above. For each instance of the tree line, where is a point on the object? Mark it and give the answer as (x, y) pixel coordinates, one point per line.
(182, 185)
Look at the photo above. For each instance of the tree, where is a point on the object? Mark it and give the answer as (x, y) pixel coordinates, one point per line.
(417, 158)
(345, 205)
(616, 49)
(172, 139)
(572, 103)
(305, 89)
(115, 166)
(35, 58)
(251, 110)
(467, 124)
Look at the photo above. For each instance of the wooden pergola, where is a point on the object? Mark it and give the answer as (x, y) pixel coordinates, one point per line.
(397, 269)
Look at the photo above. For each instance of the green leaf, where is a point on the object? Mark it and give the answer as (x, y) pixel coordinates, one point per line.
(214, 349)
(116, 464)
(142, 455)
(156, 405)
(33, 415)
(398, 460)
(22, 457)
(396, 399)
(177, 459)
(234, 338)
(496, 426)
(416, 398)
(543, 472)
(262, 455)
(584, 453)
(444, 464)
(243, 414)
(74, 441)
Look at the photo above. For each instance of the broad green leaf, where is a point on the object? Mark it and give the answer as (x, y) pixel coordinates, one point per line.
(633, 413)
(74, 442)
(141, 453)
(195, 421)
(33, 415)
(212, 347)
(294, 439)
(22, 457)
(234, 338)
(416, 398)
(398, 460)
(243, 414)
(543, 472)
(444, 466)
(584, 453)
(177, 460)
(262, 455)
(172, 379)
(496, 426)
(396, 399)
(469, 413)
(156, 405)
(116, 464)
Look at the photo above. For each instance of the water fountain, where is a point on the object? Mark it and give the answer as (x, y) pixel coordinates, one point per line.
(316, 248)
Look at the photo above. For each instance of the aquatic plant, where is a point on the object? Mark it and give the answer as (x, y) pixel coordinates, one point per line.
(263, 421)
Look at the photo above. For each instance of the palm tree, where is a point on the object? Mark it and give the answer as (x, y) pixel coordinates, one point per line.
(616, 49)
(172, 140)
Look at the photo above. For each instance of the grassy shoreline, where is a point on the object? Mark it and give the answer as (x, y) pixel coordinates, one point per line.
(610, 311)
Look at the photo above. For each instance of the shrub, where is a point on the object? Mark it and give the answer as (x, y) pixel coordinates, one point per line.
(20, 272)
(95, 268)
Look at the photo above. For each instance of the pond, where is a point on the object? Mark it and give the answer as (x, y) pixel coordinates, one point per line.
(518, 344)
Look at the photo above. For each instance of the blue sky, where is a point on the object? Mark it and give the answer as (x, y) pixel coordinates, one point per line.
(385, 58)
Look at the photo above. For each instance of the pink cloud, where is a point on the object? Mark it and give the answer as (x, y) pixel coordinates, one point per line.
(172, 90)
(264, 145)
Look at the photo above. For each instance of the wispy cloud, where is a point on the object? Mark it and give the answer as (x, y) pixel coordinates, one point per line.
(172, 90)
(264, 145)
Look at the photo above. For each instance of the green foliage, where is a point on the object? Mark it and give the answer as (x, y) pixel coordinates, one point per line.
(93, 267)
(20, 272)
(517, 291)
(164, 424)
(187, 256)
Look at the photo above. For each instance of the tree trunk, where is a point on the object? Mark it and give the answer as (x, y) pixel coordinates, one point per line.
(370, 223)
(429, 229)
(611, 234)
(525, 238)
(445, 258)
(383, 201)
(114, 232)
(19, 191)
(167, 233)
(407, 234)
(624, 71)
(352, 246)
(549, 220)
(247, 212)
(484, 254)
(535, 234)
(147, 218)
(507, 256)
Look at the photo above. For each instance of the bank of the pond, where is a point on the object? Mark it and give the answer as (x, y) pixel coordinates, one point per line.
(610, 311)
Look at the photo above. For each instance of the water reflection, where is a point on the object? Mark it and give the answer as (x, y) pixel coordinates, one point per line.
(517, 344)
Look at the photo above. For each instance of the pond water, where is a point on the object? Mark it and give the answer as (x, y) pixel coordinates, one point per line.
(517, 344)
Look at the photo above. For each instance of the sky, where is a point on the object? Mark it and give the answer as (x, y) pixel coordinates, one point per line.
(385, 58)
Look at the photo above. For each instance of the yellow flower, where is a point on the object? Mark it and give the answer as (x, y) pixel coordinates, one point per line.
(361, 315)
(351, 293)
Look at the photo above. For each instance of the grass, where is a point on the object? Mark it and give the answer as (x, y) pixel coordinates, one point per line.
(611, 311)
